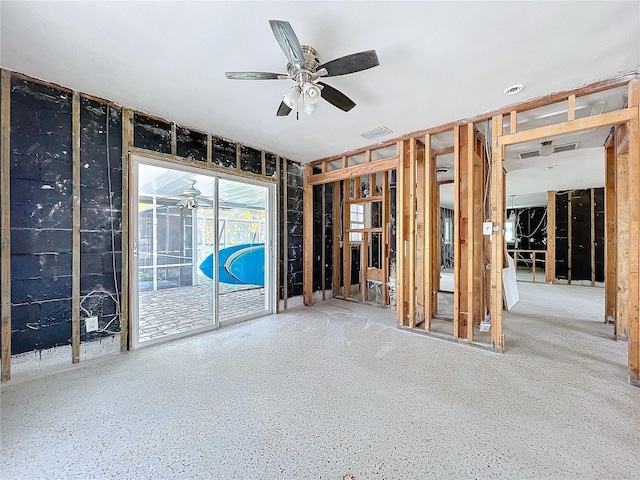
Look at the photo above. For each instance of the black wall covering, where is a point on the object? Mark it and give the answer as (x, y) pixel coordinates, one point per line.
(580, 262)
(151, 134)
(295, 187)
(328, 235)
(41, 216)
(41, 212)
(100, 216)
(562, 235)
(581, 235)
(224, 152)
(191, 144)
(250, 160)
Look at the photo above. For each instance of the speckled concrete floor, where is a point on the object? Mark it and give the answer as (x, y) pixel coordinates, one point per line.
(336, 391)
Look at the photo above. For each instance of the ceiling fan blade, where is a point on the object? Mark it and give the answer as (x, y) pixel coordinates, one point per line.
(288, 41)
(283, 110)
(336, 97)
(253, 75)
(351, 63)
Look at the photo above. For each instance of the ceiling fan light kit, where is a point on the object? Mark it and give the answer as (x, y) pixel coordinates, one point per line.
(304, 68)
(546, 149)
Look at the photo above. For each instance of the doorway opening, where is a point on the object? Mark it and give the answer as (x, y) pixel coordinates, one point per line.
(201, 250)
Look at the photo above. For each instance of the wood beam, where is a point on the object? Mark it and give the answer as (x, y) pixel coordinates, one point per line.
(550, 258)
(422, 233)
(75, 256)
(570, 126)
(385, 237)
(354, 171)
(337, 229)
(285, 235)
(126, 340)
(346, 242)
(497, 237)
(400, 245)
(610, 266)
(622, 247)
(307, 239)
(634, 236)
(429, 233)
(461, 241)
(561, 96)
(5, 220)
(411, 233)
(571, 107)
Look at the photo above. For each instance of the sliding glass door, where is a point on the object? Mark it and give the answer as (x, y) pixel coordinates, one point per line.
(200, 250)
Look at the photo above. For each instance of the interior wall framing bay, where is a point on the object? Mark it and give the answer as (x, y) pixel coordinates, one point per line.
(64, 213)
(411, 161)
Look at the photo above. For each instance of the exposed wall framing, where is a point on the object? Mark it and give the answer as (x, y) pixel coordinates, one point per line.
(414, 267)
(74, 132)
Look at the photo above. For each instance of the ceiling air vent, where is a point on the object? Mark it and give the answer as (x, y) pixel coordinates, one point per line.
(560, 148)
(375, 133)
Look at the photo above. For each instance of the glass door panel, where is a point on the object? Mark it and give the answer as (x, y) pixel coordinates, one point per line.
(174, 211)
(243, 268)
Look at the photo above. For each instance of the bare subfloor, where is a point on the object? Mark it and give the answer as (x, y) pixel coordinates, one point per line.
(336, 391)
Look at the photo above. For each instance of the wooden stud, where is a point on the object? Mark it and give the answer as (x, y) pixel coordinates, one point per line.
(337, 236)
(210, 149)
(422, 235)
(634, 236)
(550, 258)
(474, 220)
(126, 340)
(429, 232)
(346, 243)
(75, 256)
(263, 166)
(411, 233)
(437, 228)
(400, 245)
(497, 244)
(307, 235)
(513, 122)
(571, 108)
(610, 266)
(5, 220)
(459, 242)
(385, 237)
(364, 264)
(622, 248)
(174, 139)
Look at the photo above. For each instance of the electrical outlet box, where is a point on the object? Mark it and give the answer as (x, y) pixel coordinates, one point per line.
(91, 324)
(487, 227)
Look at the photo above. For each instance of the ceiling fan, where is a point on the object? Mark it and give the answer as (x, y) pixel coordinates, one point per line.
(304, 68)
(189, 196)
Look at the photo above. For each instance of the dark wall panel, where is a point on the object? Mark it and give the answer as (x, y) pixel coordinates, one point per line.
(151, 134)
(581, 235)
(224, 152)
(250, 160)
(562, 236)
(100, 216)
(191, 144)
(295, 184)
(41, 216)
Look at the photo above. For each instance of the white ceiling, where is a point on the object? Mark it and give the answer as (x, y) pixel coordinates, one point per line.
(439, 62)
